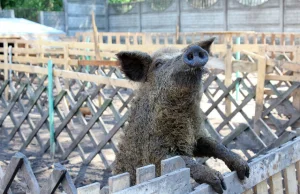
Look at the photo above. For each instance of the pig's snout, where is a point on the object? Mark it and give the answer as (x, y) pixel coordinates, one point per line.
(195, 56)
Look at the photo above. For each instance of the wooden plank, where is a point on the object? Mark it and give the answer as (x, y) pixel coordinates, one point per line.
(276, 184)
(95, 32)
(290, 66)
(119, 182)
(171, 164)
(145, 173)
(5, 46)
(105, 190)
(244, 66)
(277, 160)
(261, 73)
(68, 184)
(297, 165)
(283, 78)
(228, 72)
(28, 175)
(75, 75)
(1, 176)
(55, 179)
(290, 180)
(93, 188)
(98, 63)
(177, 182)
(296, 95)
(12, 170)
(249, 192)
(261, 188)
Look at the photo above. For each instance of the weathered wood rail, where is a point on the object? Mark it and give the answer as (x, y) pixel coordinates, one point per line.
(266, 175)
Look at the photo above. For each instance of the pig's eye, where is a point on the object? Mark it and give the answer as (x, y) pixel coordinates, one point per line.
(158, 63)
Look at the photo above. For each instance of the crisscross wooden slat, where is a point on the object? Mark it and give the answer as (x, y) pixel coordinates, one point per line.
(12, 103)
(86, 129)
(58, 98)
(27, 111)
(66, 120)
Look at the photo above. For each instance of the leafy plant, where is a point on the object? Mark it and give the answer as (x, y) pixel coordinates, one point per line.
(123, 1)
(40, 5)
(119, 1)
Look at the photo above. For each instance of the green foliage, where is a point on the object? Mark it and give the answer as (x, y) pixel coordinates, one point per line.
(123, 1)
(40, 5)
(29, 9)
(119, 1)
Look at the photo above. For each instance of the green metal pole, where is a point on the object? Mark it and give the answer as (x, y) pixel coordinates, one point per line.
(51, 109)
(88, 58)
(237, 57)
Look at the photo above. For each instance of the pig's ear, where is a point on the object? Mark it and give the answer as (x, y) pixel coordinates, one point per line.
(206, 44)
(134, 64)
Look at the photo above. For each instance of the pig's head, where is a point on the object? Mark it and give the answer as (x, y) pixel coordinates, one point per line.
(168, 69)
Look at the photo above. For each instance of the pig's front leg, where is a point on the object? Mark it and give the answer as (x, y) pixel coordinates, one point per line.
(206, 146)
(203, 174)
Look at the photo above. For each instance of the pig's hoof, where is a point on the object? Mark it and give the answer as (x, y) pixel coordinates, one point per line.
(241, 167)
(215, 180)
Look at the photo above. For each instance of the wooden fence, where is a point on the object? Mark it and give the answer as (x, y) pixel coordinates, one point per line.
(266, 175)
(254, 112)
(132, 38)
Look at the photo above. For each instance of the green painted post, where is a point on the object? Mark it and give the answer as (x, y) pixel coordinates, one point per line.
(88, 58)
(237, 57)
(51, 108)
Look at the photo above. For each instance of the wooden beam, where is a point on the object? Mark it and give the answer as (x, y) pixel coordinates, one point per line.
(73, 75)
(95, 33)
(228, 72)
(283, 78)
(98, 63)
(244, 66)
(296, 95)
(259, 99)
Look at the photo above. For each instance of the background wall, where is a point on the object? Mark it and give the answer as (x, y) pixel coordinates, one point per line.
(7, 14)
(230, 15)
(53, 19)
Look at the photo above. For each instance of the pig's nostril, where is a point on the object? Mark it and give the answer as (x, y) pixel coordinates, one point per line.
(190, 56)
(201, 55)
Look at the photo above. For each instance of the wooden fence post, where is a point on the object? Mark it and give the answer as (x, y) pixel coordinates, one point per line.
(296, 95)
(5, 46)
(228, 71)
(259, 99)
(237, 57)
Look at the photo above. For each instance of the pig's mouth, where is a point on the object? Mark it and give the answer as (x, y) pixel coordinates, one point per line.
(197, 70)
